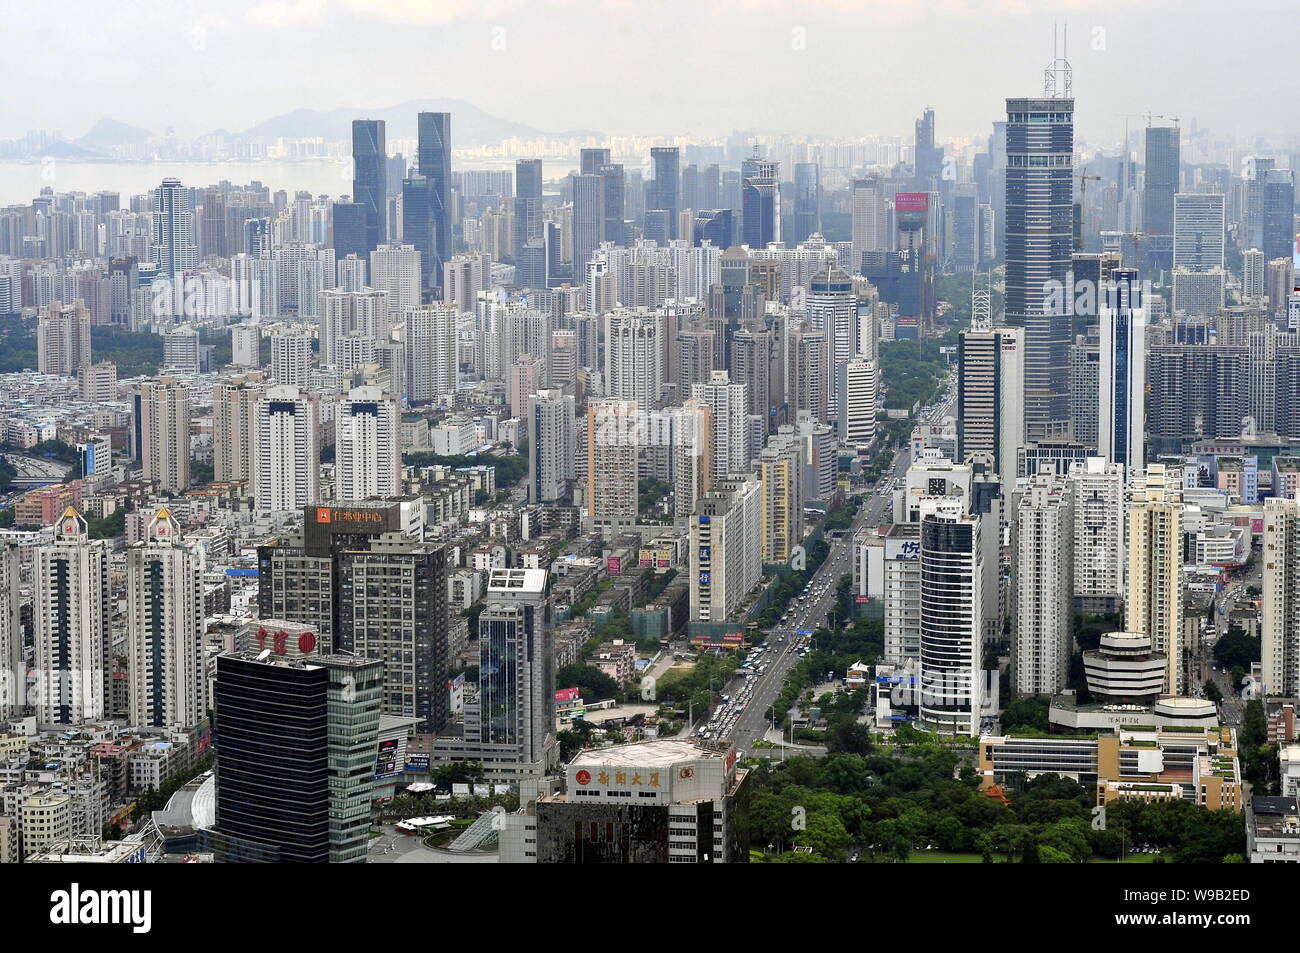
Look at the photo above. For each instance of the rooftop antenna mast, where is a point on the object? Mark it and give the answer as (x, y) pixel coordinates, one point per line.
(1058, 78)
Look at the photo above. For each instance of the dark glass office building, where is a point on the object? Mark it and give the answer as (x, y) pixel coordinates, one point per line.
(296, 741)
(369, 182)
(434, 165)
(665, 187)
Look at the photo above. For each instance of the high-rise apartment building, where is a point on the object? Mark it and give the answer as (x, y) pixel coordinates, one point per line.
(161, 436)
(71, 609)
(368, 446)
(165, 628)
(1042, 546)
(1098, 491)
(1280, 622)
(63, 338)
(726, 547)
(552, 446)
(1154, 604)
(288, 449)
(990, 396)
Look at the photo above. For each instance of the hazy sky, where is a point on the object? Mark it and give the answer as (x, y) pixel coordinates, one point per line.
(655, 67)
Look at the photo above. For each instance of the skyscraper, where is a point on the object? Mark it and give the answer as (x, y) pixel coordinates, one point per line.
(1154, 603)
(1043, 538)
(175, 243)
(1098, 489)
(552, 445)
(164, 588)
(588, 219)
(71, 609)
(1121, 415)
(857, 390)
(1280, 628)
(528, 205)
(665, 187)
(1161, 180)
(370, 181)
(162, 432)
(368, 454)
(432, 369)
(1039, 193)
(952, 586)
(517, 673)
(296, 759)
(234, 430)
(434, 163)
(760, 197)
(288, 448)
(63, 338)
(990, 396)
(807, 201)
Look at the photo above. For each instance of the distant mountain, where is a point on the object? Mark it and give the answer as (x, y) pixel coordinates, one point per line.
(109, 132)
(470, 126)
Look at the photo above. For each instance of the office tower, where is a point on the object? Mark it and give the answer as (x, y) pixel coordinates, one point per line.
(726, 547)
(634, 357)
(832, 309)
(807, 201)
(965, 249)
(713, 226)
(234, 430)
(1198, 231)
(990, 396)
(1121, 412)
(591, 161)
(367, 450)
(212, 225)
(434, 163)
(396, 270)
(760, 197)
(527, 205)
(690, 807)
(348, 229)
(952, 588)
(779, 469)
(927, 158)
(615, 205)
(1042, 544)
(63, 338)
(870, 218)
(1154, 605)
(162, 433)
(1039, 194)
(728, 405)
(1279, 282)
(665, 187)
(175, 246)
(370, 181)
(552, 446)
(588, 219)
(246, 345)
(1280, 623)
(807, 372)
(614, 436)
(290, 358)
(517, 673)
(299, 573)
(288, 449)
(72, 604)
(1161, 180)
(432, 369)
(1098, 491)
(296, 761)
(857, 390)
(1277, 215)
(392, 605)
(165, 628)
(754, 364)
(419, 227)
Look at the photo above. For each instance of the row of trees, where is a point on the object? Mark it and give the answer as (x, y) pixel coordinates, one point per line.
(885, 808)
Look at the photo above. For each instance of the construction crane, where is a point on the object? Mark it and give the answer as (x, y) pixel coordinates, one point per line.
(1148, 116)
(1084, 179)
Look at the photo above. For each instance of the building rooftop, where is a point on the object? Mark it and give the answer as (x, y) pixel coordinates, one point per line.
(645, 754)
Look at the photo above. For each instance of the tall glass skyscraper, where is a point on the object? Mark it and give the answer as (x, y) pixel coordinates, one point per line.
(1039, 192)
(760, 196)
(1161, 180)
(528, 204)
(434, 157)
(807, 200)
(665, 189)
(370, 180)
